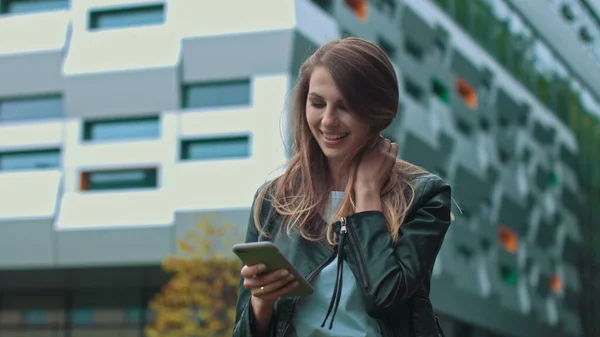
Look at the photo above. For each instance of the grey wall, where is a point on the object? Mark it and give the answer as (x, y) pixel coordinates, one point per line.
(35, 243)
(31, 74)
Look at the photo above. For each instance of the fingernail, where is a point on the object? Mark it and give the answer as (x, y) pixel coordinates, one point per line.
(284, 273)
(262, 267)
(291, 277)
(296, 284)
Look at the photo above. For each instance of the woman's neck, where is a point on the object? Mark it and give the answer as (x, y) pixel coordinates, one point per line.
(339, 176)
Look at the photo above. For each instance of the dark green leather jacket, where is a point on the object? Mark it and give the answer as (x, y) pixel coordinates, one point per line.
(395, 279)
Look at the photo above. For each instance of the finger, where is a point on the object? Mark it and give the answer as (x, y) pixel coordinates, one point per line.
(393, 155)
(283, 291)
(394, 150)
(251, 271)
(277, 293)
(273, 286)
(380, 144)
(266, 279)
(271, 277)
(387, 145)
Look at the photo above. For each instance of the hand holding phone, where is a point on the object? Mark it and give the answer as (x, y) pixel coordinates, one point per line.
(268, 286)
(268, 274)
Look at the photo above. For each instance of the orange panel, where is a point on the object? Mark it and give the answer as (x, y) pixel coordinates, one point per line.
(467, 93)
(508, 239)
(83, 181)
(359, 7)
(556, 283)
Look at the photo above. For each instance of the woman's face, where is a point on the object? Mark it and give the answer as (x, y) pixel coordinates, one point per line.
(338, 131)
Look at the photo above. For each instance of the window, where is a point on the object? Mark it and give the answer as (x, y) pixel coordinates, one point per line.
(326, 5)
(585, 35)
(463, 127)
(30, 160)
(124, 17)
(216, 94)
(387, 47)
(503, 156)
(413, 90)
(567, 12)
(119, 179)
(387, 7)
(82, 317)
(31, 108)
(464, 253)
(509, 275)
(216, 148)
(346, 33)
(122, 129)
(31, 6)
(440, 90)
(413, 49)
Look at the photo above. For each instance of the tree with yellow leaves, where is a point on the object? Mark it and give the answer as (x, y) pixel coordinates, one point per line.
(199, 300)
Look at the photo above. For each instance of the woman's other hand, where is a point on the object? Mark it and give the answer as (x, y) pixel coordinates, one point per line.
(372, 173)
(376, 166)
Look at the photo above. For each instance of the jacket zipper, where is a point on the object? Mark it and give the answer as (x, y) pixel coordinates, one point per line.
(361, 271)
(337, 289)
(360, 260)
(309, 279)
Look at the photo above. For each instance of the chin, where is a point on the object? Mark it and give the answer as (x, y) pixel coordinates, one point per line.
(334, 155)
(330, 156)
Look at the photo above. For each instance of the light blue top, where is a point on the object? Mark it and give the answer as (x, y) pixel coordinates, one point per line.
(351, 318)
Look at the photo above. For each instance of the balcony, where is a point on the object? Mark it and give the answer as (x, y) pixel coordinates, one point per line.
(31, 50)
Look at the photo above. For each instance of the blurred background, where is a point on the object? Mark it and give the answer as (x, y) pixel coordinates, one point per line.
(134, 133)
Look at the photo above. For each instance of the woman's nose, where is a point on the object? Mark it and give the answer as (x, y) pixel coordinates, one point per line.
(330, 118)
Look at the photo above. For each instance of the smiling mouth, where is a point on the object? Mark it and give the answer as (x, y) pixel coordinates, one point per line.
(333, 136)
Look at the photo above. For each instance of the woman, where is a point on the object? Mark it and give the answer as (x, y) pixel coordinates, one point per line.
(363, 227)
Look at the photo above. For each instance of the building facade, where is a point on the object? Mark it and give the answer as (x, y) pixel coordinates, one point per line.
(124, 121)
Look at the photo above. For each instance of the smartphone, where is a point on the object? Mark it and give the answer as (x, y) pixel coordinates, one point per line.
(268, 254)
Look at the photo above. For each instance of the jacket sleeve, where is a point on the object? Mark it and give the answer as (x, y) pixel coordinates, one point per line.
(243, 309)
(390, 273)
(244, 317)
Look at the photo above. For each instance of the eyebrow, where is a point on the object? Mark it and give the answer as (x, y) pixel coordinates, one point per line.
(315, 95)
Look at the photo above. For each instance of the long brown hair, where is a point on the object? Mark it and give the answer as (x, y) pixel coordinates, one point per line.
(367, 82)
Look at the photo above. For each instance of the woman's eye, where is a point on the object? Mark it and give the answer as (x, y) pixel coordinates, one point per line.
(317, 104)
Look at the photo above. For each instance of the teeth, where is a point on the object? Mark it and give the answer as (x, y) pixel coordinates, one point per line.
(334, 136)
